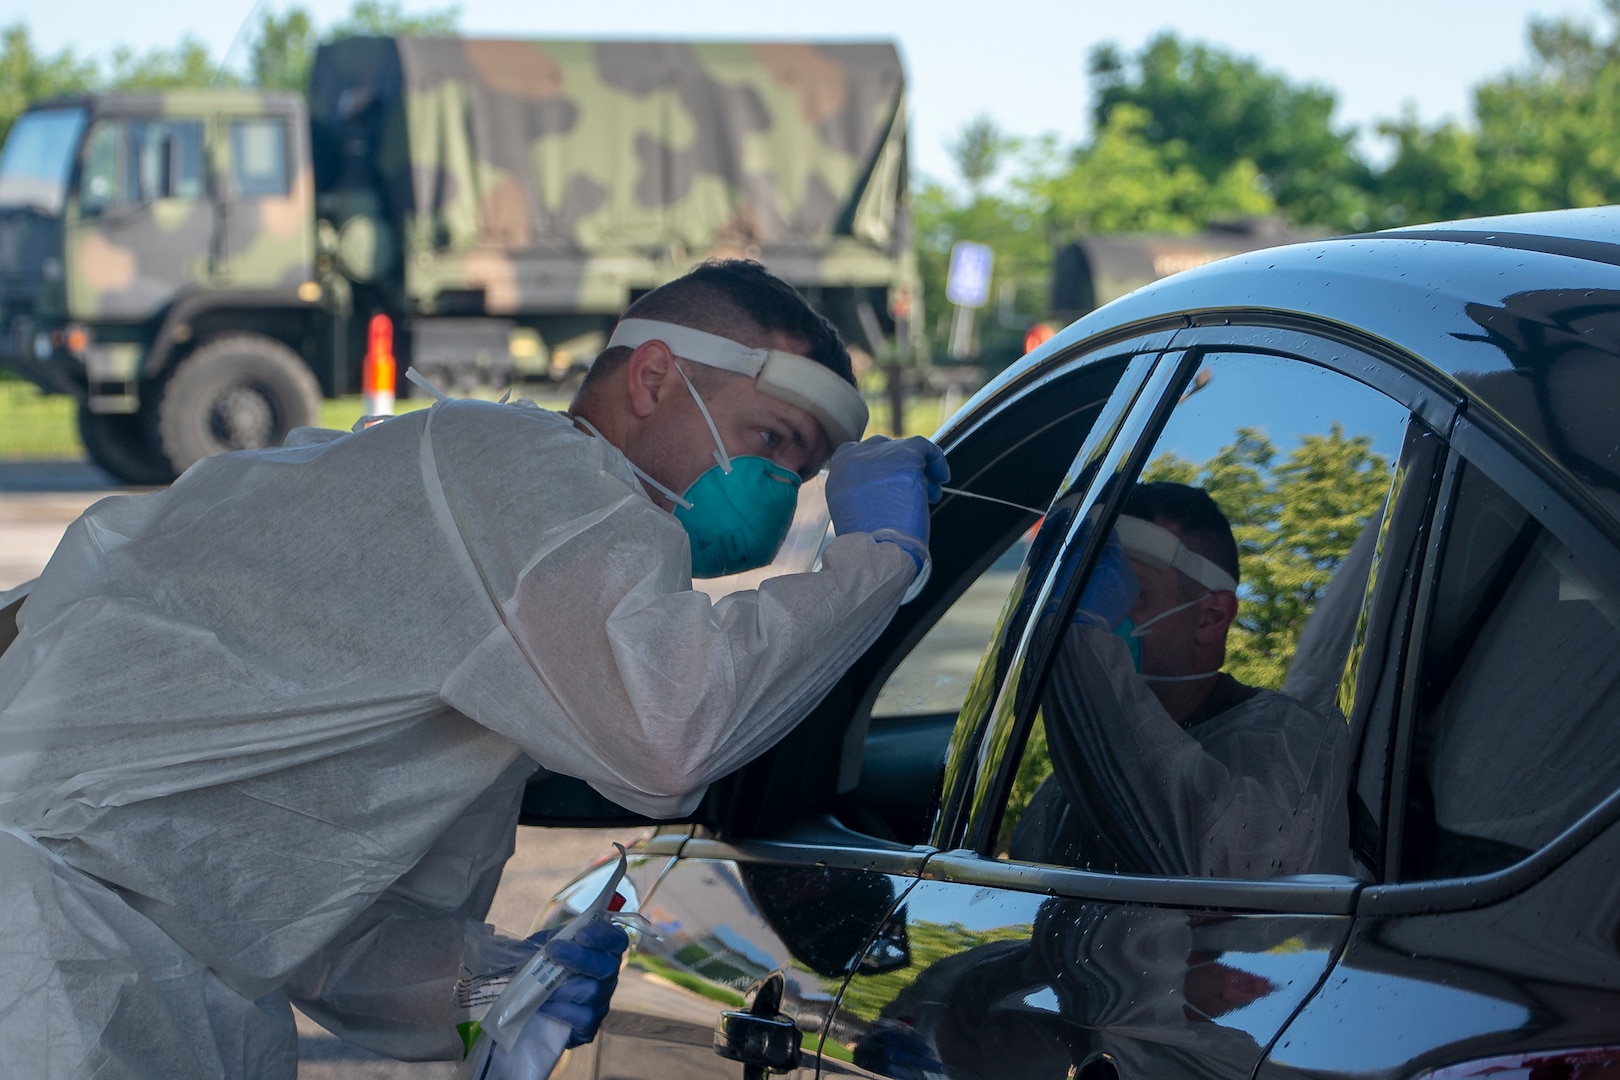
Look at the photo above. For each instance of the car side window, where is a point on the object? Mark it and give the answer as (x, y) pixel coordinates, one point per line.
(934, 677)
(259, 158)
(1518, 714)
(1190, 725)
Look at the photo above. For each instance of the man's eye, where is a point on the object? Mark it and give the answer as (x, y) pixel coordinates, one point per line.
(772, 439)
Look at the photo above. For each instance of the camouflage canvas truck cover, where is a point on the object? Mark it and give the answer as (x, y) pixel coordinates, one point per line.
(198, 268)
(571, 175)
(488, 187)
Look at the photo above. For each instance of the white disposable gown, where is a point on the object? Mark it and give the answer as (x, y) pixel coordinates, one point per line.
(266, 732)
(1256, 791)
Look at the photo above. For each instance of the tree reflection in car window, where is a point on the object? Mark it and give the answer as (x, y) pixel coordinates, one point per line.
(1195, 759)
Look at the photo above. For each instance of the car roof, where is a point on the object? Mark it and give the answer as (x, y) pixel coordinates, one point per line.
(1519, 314)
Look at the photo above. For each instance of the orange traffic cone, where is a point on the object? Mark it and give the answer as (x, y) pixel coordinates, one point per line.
(377, 373)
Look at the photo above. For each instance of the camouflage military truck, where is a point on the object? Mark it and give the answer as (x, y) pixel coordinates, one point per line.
(199, 268)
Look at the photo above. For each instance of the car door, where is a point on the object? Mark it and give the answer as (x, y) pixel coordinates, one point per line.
(1492, 944)
(799, 861)
(1032, 957)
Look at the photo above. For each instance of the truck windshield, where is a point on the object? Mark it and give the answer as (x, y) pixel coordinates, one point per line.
(37, 157)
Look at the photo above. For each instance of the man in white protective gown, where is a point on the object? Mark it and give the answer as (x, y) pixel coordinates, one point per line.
(1161, 763)
(264, 735)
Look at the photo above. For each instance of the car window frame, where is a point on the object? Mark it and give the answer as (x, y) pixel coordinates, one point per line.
(1479, 441)
(968, 740)
(1427, 396)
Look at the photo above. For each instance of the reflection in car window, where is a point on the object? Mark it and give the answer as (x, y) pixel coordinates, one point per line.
(1517, 735)
(1168, 740)
(934, 678)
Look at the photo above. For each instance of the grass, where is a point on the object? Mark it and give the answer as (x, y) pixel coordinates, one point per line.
(40, 427)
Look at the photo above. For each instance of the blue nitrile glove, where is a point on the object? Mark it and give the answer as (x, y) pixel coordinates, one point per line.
(593, 955)
(1112, 588)
(883, 486)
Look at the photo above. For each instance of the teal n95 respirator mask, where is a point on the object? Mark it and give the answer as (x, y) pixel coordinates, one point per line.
(738, 512)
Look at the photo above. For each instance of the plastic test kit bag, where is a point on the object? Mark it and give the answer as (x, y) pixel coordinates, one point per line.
(531, 1044)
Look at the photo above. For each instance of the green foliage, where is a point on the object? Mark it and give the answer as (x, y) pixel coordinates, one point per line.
(928, 944)
(978, 152)
(1219, 111)
(186, 65)
(385, 18)
(284, 47)
(1122, 181)
(27, 75)
(279, 58)
(940, 218)
(1294, 522)
(1544, 137)
(1119, 182)
(283, 50)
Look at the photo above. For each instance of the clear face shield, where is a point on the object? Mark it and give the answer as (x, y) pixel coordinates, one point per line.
(737, 513)
(1158, 547)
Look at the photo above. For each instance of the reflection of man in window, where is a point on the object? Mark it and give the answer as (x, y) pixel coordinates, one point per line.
(1162, 763)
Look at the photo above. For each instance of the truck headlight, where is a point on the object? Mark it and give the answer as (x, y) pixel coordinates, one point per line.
(42, 346)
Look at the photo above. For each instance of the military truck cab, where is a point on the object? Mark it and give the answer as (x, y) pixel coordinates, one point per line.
(157, 262)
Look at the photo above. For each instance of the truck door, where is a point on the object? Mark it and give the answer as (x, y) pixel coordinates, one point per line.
(265, 205)
(144, 226)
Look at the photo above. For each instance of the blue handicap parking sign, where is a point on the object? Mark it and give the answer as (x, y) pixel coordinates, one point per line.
(968, 283)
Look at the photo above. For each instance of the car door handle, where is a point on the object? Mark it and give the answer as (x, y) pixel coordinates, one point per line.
(760, 1042)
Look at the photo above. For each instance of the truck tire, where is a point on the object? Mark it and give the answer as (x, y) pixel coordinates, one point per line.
(235, 392)
(121, 444)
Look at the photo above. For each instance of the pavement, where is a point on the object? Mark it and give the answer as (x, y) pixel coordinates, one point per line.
(38, 500)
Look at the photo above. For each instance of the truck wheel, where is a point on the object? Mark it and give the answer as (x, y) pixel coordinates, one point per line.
(235, 392)
(121, 444)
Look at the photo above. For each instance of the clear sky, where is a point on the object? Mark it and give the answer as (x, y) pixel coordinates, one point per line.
(1022, 62)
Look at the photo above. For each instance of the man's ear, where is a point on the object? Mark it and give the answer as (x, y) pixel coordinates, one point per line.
(649, 374)
(1216, 616)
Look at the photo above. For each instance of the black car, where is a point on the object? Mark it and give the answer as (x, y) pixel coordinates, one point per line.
(1416, 437)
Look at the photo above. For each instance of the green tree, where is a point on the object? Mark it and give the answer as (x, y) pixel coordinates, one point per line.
(28, 76)
(1122, 181)
(386, 18)
(978, 152)
(1221, 109)
(188, 64)
(283, 50)
(284, 46)
(1544, 137)
(1294, 522)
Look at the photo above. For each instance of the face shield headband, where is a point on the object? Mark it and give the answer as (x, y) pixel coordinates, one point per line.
(1157, 546)
(796, 380)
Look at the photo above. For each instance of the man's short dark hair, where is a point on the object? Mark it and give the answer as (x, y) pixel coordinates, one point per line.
(1203, 528)
(734, 298)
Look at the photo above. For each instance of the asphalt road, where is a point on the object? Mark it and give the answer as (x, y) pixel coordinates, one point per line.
(38, 500)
